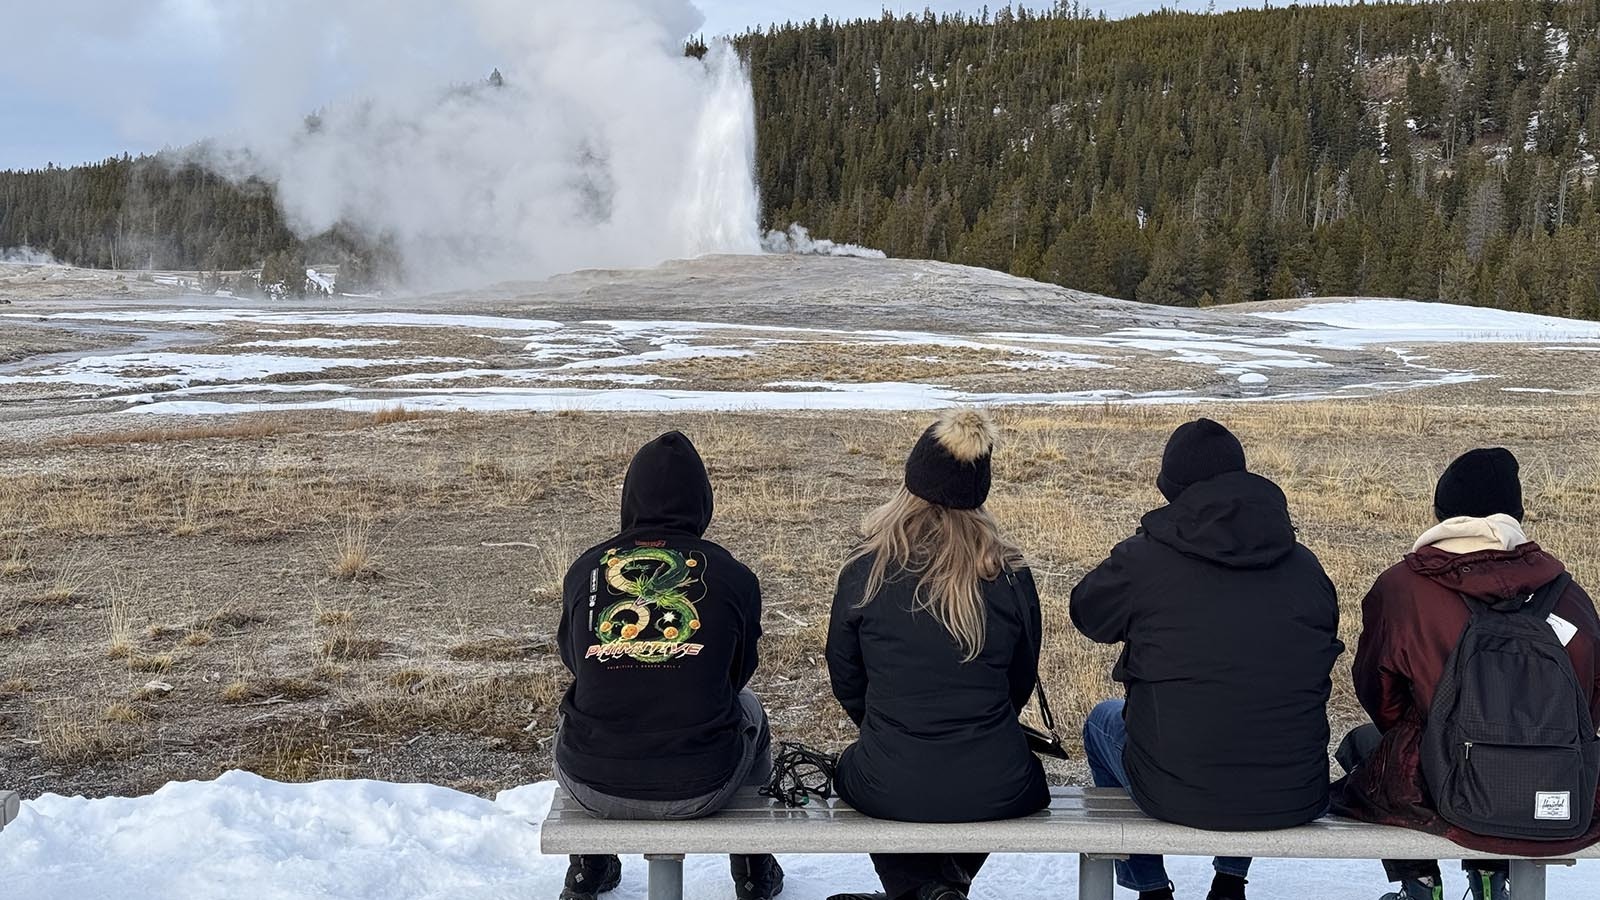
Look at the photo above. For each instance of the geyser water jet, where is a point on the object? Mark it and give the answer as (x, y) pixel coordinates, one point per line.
(721, 209)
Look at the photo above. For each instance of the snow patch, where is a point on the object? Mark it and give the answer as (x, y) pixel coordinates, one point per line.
(524, 375)
(127, 370)
(244, 836)
(1355, 324)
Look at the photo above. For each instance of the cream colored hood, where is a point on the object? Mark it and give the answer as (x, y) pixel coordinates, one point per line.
(1465, 534)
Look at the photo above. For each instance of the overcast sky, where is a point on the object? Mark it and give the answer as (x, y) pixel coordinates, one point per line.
(86, 79)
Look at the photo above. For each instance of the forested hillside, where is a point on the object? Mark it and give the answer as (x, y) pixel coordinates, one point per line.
(1434, 150)
(153, 212)
(1438, 150)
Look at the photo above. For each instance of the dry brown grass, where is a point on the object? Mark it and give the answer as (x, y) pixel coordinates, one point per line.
(355, 556)
(15, 565)
(15, 687)
(335, 618)
(245, 429)
(69, 733)
(499, 649)
(151, 663)
(348, 647)
(272, 688)
(303, 752)
(479, 517)
(69, 583)
(119, 627)
(498, 706)
(126, 714)
(342, 640)
(389, 415)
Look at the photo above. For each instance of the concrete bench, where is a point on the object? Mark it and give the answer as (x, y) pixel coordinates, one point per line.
(1099, 825)
(10, 807)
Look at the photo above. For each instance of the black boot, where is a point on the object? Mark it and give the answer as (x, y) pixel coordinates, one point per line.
(1227, 887)
(1162, 894)
(926, 892)
(756, 877)
(1427, 887)
(590, 876)
(1488, 885)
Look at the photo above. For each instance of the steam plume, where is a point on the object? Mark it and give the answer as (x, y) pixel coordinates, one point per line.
(601, 145)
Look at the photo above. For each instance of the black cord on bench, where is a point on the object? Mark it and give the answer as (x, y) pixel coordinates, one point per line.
(800, 774)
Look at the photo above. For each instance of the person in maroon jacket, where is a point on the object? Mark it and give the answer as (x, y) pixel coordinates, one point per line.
(1411, 622)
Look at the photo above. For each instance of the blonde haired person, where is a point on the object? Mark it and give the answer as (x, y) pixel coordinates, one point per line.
(933, 648)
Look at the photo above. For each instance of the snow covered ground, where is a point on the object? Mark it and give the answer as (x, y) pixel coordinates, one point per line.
(768, 332)
(242, 836)
(1361, 322)
(611, 364)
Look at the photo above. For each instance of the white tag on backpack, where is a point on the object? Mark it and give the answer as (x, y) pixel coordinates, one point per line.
(1565, 630)
(1554, 806)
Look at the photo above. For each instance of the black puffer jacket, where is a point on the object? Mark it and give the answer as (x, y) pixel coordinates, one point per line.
(939, 737)
(659, 628)
(1230, 630)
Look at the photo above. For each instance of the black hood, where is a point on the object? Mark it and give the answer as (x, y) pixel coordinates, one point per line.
(1238, 520)
(667, 488)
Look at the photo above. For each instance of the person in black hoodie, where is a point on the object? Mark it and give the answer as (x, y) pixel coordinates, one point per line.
(1229, 630)
(659, 628)
(933, 649)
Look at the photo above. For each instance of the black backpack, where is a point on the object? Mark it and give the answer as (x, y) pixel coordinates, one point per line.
(1509, 750)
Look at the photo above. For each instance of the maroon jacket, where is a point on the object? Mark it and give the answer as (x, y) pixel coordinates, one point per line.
(1411, 621)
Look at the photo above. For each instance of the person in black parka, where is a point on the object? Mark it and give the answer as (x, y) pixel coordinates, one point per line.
(1230, 631)
(659, 628)
(933, 649)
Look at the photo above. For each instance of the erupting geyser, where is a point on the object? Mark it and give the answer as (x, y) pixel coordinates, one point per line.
(601, 144)
(722, 209)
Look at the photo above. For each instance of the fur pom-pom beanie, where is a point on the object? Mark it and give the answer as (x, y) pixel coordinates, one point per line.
(949, 466)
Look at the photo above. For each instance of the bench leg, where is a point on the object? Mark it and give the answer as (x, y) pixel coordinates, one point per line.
(1527, 879)
(666, 877)
(1097, 878)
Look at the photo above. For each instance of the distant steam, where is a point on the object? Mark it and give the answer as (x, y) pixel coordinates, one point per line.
(26, 256)
(600, 145)
(799, 241)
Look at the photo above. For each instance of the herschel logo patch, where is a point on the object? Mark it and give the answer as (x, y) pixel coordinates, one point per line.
(1555, 806)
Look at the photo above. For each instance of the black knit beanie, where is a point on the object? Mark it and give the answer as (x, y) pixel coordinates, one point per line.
(949, 466)
(1197, 451)
(1480, 483)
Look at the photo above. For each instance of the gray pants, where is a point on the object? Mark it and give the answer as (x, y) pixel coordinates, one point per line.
(755, 768)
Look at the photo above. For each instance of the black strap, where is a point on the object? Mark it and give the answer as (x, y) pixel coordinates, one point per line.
(1027, 633)
(800, 775)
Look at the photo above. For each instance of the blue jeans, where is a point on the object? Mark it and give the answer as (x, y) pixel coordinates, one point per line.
(1105, 736)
